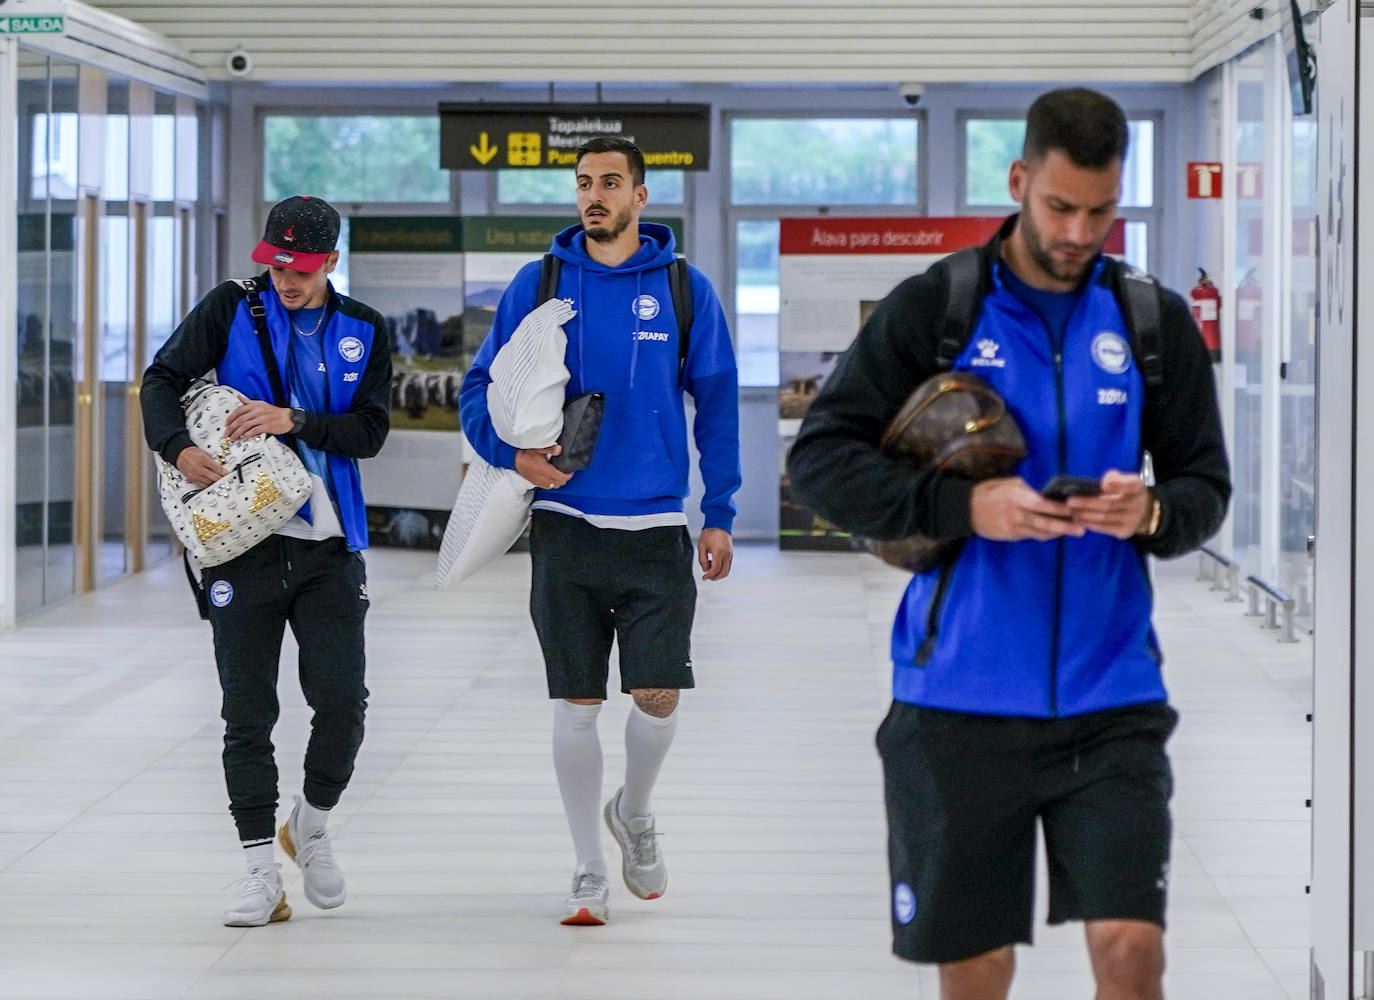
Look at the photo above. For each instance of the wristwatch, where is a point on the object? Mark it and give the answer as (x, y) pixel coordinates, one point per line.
(1156, 514)
(298, 422)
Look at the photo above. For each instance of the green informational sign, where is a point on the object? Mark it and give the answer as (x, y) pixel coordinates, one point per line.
(405, 234)
(30, 25)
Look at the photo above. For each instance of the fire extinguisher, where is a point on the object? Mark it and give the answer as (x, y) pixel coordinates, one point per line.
(1206, 302)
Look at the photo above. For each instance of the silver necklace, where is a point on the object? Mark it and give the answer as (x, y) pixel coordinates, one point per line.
(318, 323)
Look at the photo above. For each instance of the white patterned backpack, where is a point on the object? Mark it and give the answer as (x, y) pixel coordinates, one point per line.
(266, 484)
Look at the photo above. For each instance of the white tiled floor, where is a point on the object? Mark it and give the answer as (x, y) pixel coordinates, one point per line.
(117, 853)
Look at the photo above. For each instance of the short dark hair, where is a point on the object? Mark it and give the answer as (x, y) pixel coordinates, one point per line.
(1087, 126)
(615, 144)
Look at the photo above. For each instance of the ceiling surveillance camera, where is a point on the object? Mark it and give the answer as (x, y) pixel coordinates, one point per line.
(238, 63)
(911, 92)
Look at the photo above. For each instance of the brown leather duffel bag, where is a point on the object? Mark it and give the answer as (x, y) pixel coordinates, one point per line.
(956, 422)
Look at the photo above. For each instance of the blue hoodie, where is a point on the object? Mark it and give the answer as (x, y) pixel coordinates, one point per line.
(623, 343)
(1030, 628)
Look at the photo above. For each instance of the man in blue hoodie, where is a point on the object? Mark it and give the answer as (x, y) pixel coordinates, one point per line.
(611, 556)
(1026, 672)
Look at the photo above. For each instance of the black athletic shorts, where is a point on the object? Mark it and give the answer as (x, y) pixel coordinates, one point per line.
(590, 585)
(964, 793)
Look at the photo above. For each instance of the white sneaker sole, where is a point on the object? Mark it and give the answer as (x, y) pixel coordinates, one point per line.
(323, 902)
(584, 917)
(631, 883)
(279, 913)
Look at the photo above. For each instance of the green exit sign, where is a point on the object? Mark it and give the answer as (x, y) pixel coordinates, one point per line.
(30, 25)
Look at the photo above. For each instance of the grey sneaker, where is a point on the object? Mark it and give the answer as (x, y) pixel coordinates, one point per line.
(261, 899)
(587, 905)
(323, 881)
(643, 868)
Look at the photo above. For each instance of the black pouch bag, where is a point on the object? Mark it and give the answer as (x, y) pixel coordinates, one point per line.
(581, 425)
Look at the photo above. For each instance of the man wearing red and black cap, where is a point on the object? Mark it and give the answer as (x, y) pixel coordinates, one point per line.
(333, 356)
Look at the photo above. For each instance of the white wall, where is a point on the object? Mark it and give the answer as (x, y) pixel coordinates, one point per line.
(684, 40)
(1344, 555)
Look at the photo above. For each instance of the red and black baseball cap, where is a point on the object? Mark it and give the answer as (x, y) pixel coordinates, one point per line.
(301, 233)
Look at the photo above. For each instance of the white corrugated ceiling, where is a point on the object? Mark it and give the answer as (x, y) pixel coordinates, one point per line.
(697, 41)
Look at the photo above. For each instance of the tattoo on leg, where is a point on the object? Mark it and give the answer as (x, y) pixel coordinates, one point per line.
(658, 702)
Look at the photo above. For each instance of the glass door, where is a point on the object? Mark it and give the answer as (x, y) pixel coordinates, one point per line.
(46, 301)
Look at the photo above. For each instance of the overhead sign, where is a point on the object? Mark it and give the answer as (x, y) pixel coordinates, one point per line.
(1204, 180)
(541, 136)
(30, 25)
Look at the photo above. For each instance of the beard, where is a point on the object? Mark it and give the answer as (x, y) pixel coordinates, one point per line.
(1040, 254)
(610, 229)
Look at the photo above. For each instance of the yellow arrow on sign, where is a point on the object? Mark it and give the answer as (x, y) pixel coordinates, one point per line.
(484, 153)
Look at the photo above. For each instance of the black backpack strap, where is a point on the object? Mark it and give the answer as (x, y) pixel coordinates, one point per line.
(548, 278)
(197, 587)
(963, 301)
(269, 360)
(680, 286)
(1138, 293)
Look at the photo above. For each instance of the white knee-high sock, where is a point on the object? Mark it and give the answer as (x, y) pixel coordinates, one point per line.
(577, 763)
(647, 739)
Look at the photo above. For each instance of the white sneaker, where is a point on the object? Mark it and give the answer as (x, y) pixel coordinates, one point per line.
(261, 899)
(324, 882)
(587, 905)
(643, 868)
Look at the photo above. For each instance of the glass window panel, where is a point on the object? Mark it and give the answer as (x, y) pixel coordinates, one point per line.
(54, 155)
(757, 301)
(363, 158)
(164, 157)
(1297, 415)
(339, 277)
(188, 155)
(166, 262)
(1247, 298)
(555, 187)
(1138, 244)
(114, 329)
(991, 144)
(1138, 174)
(823, 161)
(116, 157)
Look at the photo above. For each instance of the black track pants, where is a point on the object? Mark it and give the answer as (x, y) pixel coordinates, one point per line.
(320, 588)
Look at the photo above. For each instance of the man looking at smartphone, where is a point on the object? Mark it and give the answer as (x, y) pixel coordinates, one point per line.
(1026, 672)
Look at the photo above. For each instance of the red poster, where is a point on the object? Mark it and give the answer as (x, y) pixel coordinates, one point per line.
(900, 235)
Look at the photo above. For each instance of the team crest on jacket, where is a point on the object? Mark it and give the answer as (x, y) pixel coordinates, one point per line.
(221, 593)
(987, 355)
(1111, 352)
(903, 903)
(351, 349)
(646, 307)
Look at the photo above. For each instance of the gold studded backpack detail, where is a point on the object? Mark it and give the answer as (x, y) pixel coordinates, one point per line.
(265, 486)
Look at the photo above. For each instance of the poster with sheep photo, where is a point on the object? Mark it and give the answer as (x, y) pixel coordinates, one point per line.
(410, 269)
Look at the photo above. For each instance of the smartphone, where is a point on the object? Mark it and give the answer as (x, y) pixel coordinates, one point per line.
(1063, 487)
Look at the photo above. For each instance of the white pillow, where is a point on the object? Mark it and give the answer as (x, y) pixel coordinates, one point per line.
(529, 378)
(491, 511)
